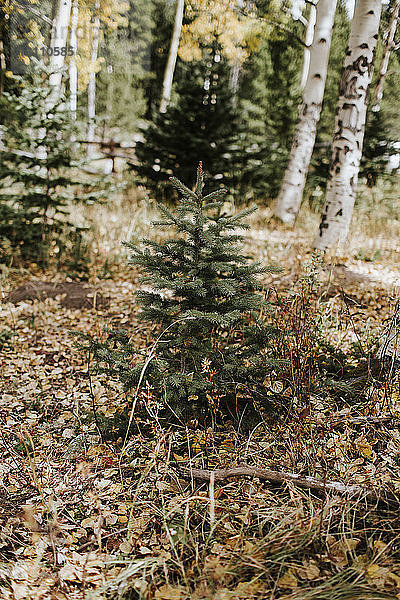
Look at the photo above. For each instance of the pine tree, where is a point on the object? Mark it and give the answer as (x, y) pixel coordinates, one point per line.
(268, 100)
(202, 122)
(38, 172)
(210, 341)
(378, 145)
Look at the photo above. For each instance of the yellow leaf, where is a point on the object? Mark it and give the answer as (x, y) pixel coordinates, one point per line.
(288, 580)
(373, 570)
(122, 518)
(179, 458)
(24, 58)
(378, 574)
(88, 522)
(379, 545)
(366, 450)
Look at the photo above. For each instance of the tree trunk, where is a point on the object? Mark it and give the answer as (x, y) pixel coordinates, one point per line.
(234, 83)
(383, 67)
(49, 37)
(308, 41)
(58, 40)
(2, 66)
(173, 54)
(61, 12)
(349, 126)
(291, 192)
(92, 83)
(73, 70)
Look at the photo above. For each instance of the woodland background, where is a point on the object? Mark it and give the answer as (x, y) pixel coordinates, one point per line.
(253, 452)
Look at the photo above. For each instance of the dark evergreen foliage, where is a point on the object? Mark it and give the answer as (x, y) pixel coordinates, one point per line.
(209, 351)
(269, 97)
(38, 171)
(202, 122)
(378, 145)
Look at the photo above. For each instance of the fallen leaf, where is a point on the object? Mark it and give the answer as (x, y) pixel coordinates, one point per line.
(168, 592)
(288, 580)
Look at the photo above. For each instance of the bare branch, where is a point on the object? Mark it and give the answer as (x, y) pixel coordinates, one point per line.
(282, 477)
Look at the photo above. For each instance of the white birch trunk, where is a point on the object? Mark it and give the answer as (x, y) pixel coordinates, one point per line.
(73, 70)
(349, 126)
(92, 83)
(383, 67)
(234, 83)
(2, 67)
(58, 40)
(173, 54)
(59, 33)
(291, 192)
(308, 41)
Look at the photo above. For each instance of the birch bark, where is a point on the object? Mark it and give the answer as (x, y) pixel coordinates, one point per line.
(308, 41)
(173, 54)
(2, 66)
(291, 193)
(92, 83)
(349, 126)
(234, 83)
(58, 40)
(383, 67)
(61, 12)
(73, 70)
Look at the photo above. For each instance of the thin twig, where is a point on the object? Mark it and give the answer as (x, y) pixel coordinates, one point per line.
(212, 498)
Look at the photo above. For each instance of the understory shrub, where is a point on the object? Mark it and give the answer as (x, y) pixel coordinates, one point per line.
(40, 174)
(209, 356)
(310, 364)
(221, 348)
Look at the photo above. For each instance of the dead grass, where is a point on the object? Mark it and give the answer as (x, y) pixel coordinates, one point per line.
(86, 517)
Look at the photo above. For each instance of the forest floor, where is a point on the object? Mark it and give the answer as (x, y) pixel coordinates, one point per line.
(88, 513)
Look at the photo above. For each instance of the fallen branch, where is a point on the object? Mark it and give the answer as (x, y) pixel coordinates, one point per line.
(362, 420)
(303, 481)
